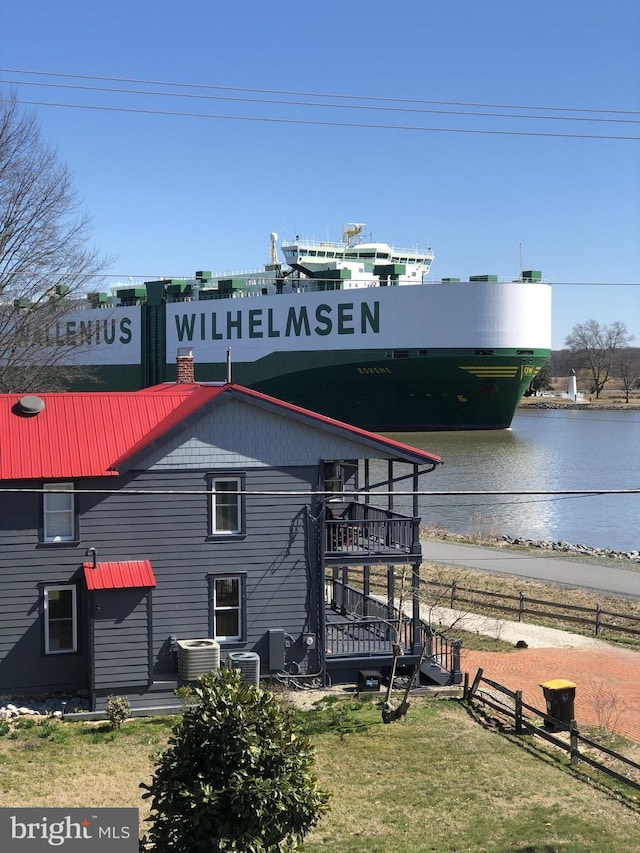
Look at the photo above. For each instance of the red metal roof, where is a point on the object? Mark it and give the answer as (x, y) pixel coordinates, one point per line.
(121, 575)
(83, 434)
(88, 434)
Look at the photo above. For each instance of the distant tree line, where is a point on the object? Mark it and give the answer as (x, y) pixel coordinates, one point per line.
(600, 355)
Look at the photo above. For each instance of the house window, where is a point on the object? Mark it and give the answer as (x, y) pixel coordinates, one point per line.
(226, 505)
(60, 620)
(58, 512)
(228, 607)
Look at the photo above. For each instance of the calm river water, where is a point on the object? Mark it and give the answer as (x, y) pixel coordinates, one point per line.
(547, 451)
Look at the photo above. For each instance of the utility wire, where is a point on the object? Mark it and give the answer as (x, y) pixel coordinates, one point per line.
(154, 276)
(289, 92)
(319, 493)
(271, 101)
(318, 123)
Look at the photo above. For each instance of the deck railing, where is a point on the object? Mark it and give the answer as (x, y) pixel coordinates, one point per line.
(365, 530)
(386, 624)
(359, 637)
(371, 626)
(440, 650)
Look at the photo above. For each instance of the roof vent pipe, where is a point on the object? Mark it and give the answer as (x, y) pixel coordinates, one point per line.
(91, 552)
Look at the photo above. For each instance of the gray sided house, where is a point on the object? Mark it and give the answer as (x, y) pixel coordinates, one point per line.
(150, 536)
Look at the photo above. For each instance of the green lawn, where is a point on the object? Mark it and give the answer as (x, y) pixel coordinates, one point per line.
(437, 780)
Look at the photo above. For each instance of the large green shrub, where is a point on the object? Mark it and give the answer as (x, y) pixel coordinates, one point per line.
(234, 777)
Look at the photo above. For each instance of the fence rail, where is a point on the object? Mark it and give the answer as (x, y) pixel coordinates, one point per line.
(596, 618)
(523, 726)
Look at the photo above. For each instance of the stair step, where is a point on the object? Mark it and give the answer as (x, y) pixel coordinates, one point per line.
(432, 670)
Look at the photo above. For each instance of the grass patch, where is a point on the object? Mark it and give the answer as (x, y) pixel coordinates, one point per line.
(436, 780)
(480, 642)
(506, 585)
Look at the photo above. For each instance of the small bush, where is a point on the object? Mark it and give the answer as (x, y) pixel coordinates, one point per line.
(118, 710)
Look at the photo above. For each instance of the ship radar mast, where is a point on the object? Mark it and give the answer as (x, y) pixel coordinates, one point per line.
(273, 238)
(350, 231)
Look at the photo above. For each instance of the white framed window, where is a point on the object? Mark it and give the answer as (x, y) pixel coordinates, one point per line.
(226, 505)
(59, 524)
(60, 619)
(227, 607)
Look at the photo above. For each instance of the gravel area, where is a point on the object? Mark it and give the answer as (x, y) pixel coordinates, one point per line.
(535, 636)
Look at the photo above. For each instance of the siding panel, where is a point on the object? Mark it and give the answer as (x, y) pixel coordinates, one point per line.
(120, 639)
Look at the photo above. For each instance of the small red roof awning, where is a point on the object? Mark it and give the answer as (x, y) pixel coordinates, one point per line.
(122, 575)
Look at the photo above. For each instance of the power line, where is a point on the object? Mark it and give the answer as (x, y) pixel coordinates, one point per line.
(288, 92)
(272, 101)
(156, 276)
(319, 493)
(319, 123)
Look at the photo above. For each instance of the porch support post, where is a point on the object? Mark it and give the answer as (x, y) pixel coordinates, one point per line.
(415, 592)
(366, 589)
(391, 592)
(345, 584)
(335, 575)
(415, 491)
(390, 484)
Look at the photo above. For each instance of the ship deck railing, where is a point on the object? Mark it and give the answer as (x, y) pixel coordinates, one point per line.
(364, 530)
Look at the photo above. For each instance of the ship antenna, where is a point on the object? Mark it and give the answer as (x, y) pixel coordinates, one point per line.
(521, 266)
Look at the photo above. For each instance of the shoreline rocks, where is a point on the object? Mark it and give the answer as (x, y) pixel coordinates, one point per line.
(568, 548)
(586, 405)
(560, 547)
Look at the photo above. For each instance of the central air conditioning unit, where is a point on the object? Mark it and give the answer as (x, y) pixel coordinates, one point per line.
(195, 657)
(249, 665)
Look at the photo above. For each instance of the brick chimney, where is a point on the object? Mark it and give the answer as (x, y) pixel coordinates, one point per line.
(185, 371)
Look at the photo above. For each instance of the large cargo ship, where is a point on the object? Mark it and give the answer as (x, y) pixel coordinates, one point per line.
(351, 329)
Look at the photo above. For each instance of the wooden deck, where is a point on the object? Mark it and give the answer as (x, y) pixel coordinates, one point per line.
(361, 530)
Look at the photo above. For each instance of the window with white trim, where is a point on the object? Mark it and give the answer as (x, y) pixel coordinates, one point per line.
(227, 607)
(60, 619)
(59, 524)
(226, 505)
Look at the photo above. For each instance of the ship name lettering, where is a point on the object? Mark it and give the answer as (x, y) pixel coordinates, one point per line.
(82, 333)
(343, 319)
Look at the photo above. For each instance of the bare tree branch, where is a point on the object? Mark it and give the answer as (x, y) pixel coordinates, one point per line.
(46, 268)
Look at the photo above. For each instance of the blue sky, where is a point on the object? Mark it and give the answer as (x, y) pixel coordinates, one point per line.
(170, 194)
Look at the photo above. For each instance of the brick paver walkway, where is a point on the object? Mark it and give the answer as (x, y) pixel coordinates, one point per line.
(607, 681)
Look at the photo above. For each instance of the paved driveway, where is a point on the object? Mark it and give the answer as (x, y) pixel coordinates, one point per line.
(607, 681)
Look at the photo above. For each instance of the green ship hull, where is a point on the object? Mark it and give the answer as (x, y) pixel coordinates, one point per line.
(444, 390)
